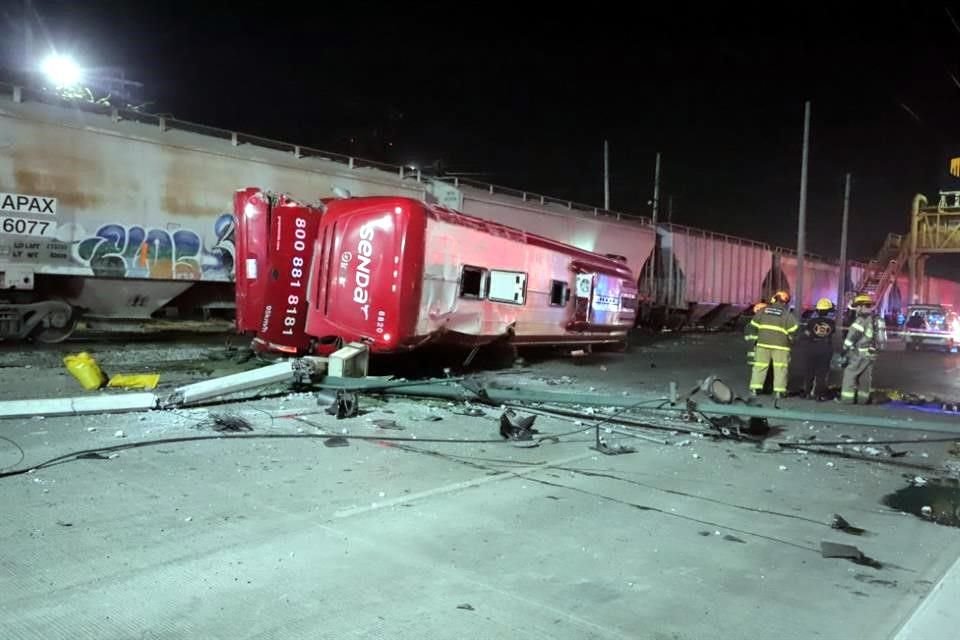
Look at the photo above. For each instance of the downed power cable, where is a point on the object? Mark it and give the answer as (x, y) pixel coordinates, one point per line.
(90, 453)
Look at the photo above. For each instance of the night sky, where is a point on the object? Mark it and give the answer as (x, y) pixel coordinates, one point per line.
(526, 100)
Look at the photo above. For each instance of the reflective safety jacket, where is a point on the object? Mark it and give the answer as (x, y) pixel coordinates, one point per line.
(867, 335)
(776, 328)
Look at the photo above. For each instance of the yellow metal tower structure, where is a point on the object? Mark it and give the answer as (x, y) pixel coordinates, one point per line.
(933, 230)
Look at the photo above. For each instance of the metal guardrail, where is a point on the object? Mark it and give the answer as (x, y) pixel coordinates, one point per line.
(166, 122)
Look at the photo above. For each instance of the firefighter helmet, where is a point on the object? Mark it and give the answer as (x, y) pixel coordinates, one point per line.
(824, 304)
(760, 306)
(780, 296)
(864, 299)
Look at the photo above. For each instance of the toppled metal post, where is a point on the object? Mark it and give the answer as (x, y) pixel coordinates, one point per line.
(208, 389)
(352, 360)
(51, 407)
(496, 395)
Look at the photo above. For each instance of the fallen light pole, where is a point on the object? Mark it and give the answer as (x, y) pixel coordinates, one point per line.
(352, 359)
(495, 395)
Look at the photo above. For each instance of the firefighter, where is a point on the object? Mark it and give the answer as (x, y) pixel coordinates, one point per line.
(776, 328)
(750, 335)
(817, 340)
(865, 338)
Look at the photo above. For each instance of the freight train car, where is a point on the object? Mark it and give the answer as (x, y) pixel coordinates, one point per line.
(399, 273)
(123, 217)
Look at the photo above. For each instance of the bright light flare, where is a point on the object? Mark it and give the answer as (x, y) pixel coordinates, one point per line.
(61, 71)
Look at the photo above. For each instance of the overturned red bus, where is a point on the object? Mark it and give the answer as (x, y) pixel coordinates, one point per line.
(399, 273)
(275, 240)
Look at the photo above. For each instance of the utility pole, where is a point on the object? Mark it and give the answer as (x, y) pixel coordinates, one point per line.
(606, 175)
(842, 288)
(656, 189)
(670, 209)
(656, 206)
(802, 222)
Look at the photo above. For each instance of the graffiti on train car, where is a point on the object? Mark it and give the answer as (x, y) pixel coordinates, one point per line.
(131, 251)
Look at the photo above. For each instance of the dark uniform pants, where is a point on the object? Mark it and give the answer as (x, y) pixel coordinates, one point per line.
(816, 370)
(779, 359)
(857, 379)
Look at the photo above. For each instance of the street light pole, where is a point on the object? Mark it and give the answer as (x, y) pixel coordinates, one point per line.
(656, 207)
(842, 289)
(606, 175)
(802, 221)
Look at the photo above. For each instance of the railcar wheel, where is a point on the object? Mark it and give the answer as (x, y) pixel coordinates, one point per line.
(61, 326)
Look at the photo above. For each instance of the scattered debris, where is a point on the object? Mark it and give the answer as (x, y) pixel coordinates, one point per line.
(841, 524)
(892, 453)
(952, 468)
(513, 427)
(466, 606)
(226, 423)
(119, 434)
(605, 448)
(682, 443)
(85, 370)
(872, 451)
(473, 412)
(387, 424)
(336, 441)
(836, 550)
(759, 426)
(926, 510)
(140, 381)
(345, 405)
(919, 481)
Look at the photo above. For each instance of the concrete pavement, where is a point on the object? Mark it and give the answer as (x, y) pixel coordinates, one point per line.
(289, 538)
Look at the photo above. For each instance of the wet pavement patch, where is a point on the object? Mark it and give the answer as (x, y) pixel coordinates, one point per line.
(937, 501)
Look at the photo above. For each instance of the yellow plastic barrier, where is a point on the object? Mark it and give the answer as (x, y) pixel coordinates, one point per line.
(135, 380)
(86, 370)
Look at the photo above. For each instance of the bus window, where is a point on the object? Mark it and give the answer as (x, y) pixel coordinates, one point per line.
(559, 293)
(472, 280)
(508, 286)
